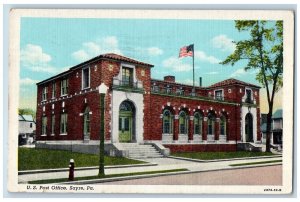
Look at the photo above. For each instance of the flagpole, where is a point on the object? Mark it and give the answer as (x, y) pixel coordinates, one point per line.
(193, 69)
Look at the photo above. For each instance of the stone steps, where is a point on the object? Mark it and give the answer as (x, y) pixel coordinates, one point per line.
(141, 151)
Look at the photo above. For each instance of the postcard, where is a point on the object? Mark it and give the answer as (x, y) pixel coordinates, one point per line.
(103, 100)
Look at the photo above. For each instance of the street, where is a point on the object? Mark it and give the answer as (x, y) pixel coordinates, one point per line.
(267, 175)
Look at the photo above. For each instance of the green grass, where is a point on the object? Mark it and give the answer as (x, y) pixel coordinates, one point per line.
(106, 176)
(32, 159)
(254, 163)
(220, 155)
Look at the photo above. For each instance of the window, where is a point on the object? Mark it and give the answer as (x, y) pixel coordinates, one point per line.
(180, 91)
(197, 124)
(64, 87)
(223, 125)
(183, 123)
(211, 124)
(219, 94)
(248, 96)
(168, 89)
(127, 76)
(167, 122)
(44, 125)
(30, 125)
(53, 124)
(86, 124)
(53, 89)
(63, 123)
(155, 88)
(44, 93)
(85, 78)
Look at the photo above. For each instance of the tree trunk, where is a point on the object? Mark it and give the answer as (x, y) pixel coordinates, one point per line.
(269, 128)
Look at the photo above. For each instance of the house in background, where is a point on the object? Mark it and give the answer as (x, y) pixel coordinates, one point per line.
(277, 126)
(27, 128)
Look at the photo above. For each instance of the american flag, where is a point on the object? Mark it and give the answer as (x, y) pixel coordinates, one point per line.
(186, 51)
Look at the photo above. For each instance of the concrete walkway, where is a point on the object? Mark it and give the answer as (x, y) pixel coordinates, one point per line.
(163, 164)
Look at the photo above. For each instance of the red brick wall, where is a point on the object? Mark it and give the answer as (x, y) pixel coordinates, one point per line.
(160, 101)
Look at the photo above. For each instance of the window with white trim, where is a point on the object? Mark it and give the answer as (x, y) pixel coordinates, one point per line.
(86, 77)
(167, 122)
(183, 123)
(53, 89)
(63, 123)
(223, 125)
(211, 124)
(52, 124)
(64, 87)
(44, 125)
(219, 95)
(44, 93)
(198, 123)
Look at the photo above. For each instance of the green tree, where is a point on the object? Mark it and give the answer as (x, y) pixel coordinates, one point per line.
(263, 51)
(27, 111)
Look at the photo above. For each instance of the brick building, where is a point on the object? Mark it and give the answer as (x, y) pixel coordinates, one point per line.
(142, 110)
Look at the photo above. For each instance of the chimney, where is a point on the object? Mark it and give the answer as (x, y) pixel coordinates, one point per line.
(200, 81)
(170, 79)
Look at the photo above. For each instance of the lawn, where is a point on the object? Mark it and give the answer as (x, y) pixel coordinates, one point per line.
(220, 155)
(32, 159)
(106, 176)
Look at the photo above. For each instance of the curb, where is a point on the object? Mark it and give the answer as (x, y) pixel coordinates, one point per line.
(94, 181)
(25, 172)
(219, 160)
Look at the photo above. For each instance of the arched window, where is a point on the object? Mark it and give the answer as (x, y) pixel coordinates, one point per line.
(167, 122)
(198, 123)
(223, 125)
(183, 123)
(211, 124)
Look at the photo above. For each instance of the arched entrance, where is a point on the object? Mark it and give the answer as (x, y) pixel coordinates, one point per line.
(249, 128)
(127, 122)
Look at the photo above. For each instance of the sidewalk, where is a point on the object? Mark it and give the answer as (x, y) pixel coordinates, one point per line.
(162, 164)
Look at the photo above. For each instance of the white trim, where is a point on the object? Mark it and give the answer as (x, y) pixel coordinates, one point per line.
(43, 135)
(52, 134)
(138, 100)
(219, 89)
(62, 134)
(87, 67)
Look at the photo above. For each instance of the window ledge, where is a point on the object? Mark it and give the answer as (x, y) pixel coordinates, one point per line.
(52, 134)
(43, 135)
(86, 88)
(63, 134)
(64, 95)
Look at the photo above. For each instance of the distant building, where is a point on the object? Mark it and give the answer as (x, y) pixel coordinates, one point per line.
(27, 129)
(276, 127)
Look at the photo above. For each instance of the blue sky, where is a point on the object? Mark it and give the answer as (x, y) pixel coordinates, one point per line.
(52, 45)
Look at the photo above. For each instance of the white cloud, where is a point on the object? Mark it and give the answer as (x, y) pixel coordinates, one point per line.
(93, 48)
(34, 59)
(238, 73)
(206, 58)
(28, 81)
(154, 51)
(33, 55)
(212, 73)
(223, 43)
(176, 65)
(241, 72)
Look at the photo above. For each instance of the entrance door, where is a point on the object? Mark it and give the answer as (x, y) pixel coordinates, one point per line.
(126, 122)
(249, 128)
(125, 127)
